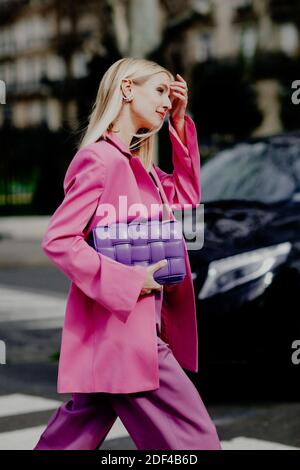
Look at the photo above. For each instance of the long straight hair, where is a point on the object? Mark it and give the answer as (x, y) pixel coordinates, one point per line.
(109, 102)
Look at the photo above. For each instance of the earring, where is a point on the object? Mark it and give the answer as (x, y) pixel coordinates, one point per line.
(128, 98)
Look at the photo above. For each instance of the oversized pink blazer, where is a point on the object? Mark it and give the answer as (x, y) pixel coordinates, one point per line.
(109, 334)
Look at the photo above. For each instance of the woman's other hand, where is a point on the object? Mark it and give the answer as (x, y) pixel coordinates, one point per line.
(150, 284)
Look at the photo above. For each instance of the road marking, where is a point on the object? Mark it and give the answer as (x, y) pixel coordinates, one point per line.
(19, 305)
(23, 439)
(26, 439)
(247, 443)
(17, 403)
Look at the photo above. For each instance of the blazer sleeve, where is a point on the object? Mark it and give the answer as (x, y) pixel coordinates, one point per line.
(182, 186)
(113, 285)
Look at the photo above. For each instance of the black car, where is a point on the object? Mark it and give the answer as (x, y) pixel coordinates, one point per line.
(247, 274)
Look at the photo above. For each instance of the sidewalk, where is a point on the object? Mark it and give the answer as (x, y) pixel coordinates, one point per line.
(20, 241)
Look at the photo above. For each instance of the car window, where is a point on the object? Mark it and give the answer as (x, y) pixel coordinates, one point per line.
(262, 171)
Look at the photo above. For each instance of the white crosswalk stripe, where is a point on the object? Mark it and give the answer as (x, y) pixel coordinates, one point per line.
(246, 443)
(21, 305)
(22, 439)
(18, 403)
(26, 439)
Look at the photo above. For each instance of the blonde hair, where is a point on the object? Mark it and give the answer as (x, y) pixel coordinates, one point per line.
(109, 102)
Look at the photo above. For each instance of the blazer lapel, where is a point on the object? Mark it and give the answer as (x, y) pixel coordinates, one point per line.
(142, 176)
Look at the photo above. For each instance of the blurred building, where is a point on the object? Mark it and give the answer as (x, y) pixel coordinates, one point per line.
(45, 46)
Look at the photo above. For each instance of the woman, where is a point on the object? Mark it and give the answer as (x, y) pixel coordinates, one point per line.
(125, 341)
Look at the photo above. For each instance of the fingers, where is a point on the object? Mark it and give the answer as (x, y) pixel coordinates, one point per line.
(179, 91)
(180, 96)
(181, 80)
(155, 286)
(180, 77)
(147, 291)
(160, 264)
(179, 87)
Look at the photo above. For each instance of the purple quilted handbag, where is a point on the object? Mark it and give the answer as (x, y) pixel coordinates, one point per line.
(143, 243)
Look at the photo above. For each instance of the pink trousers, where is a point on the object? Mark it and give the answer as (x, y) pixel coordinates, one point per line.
(170, 417)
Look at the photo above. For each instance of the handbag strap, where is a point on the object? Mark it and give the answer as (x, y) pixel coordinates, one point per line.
(165, 210)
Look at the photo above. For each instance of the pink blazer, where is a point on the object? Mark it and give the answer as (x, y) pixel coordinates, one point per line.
(109, 334)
